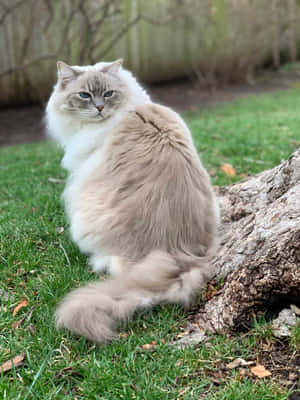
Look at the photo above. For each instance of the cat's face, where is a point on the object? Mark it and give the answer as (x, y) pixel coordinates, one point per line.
(90, 95)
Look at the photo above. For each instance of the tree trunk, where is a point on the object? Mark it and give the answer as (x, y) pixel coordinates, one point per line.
(292, 30)
(276, 34)
(259, 248)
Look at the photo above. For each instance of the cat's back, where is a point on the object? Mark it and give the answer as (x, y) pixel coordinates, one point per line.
(153, 140)
(151, 135)
(151, 190)
(155, 185)
(156, 122)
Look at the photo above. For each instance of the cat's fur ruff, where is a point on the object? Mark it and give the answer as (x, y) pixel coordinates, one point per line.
(139, 201)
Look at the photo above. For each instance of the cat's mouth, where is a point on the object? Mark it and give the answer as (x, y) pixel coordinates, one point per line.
(100, 116)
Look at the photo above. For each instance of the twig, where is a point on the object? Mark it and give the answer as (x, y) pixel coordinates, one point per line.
(29, 32)
(65, 253)
(51, 14)
(8, 10)
(117, 37)
(257, 161)
(28, 64)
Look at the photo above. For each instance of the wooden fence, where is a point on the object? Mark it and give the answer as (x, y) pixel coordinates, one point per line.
(217, 41)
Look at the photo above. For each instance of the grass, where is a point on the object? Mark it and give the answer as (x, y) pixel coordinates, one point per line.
(252, 134)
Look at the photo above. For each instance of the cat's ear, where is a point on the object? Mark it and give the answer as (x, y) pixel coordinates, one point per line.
(114, 67)
(65, 72)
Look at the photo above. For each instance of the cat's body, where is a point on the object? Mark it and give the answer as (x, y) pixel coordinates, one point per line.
(139, 201)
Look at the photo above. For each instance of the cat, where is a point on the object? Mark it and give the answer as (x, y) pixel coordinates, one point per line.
(138, 199)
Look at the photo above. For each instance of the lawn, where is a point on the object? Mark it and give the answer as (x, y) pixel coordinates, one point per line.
(39, 264)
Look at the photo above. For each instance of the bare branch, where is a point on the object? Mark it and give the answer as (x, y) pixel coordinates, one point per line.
(28, 64)
(117, 37)
(9, 10)
(29, 31)
(51, 14)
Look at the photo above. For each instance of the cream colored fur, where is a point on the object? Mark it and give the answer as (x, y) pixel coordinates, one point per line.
(140, 204)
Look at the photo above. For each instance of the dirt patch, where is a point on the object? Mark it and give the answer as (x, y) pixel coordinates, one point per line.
(21, 125)
(25, 125)
(277, 358)
(188, 95)
(283, 362)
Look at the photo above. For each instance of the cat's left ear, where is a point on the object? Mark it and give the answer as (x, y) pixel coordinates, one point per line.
(114, 67)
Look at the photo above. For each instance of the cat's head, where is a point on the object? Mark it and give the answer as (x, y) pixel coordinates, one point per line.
(87, 96)
(90, 93)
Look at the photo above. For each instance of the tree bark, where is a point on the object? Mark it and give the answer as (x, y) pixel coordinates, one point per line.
(259, 253)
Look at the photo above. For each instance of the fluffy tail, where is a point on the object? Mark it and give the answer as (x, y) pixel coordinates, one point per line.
(94, 311)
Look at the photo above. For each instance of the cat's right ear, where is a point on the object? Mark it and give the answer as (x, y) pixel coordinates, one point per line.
(65, 73)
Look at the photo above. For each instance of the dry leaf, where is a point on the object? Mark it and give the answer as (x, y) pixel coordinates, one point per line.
(293, 376)
(148, 346)
(14, 363)
(67, 371)
(260, 371)
(211, 292)
(216, 381)
(22, 304)
(31, 329)
(182, 334)
(244, 372)
(16, 324)
(124, 335)
(239, 362)
(228, 169)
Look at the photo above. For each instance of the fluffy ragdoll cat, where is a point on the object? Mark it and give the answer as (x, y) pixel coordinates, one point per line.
(139, 201)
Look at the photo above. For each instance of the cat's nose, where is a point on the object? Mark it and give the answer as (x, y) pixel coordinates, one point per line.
(100, 108)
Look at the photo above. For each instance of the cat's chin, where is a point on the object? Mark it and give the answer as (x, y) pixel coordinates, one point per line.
(98, 118)
(93, 119)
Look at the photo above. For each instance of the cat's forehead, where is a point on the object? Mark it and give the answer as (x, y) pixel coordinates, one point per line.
(97, 82)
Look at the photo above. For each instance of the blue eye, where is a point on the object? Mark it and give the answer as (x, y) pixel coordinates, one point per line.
(84, 95)
(109, 93)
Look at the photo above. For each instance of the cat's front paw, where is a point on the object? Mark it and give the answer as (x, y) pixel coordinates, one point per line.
(100, 263)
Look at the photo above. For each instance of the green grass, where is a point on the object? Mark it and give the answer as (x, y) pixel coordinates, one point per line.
(252, 134)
